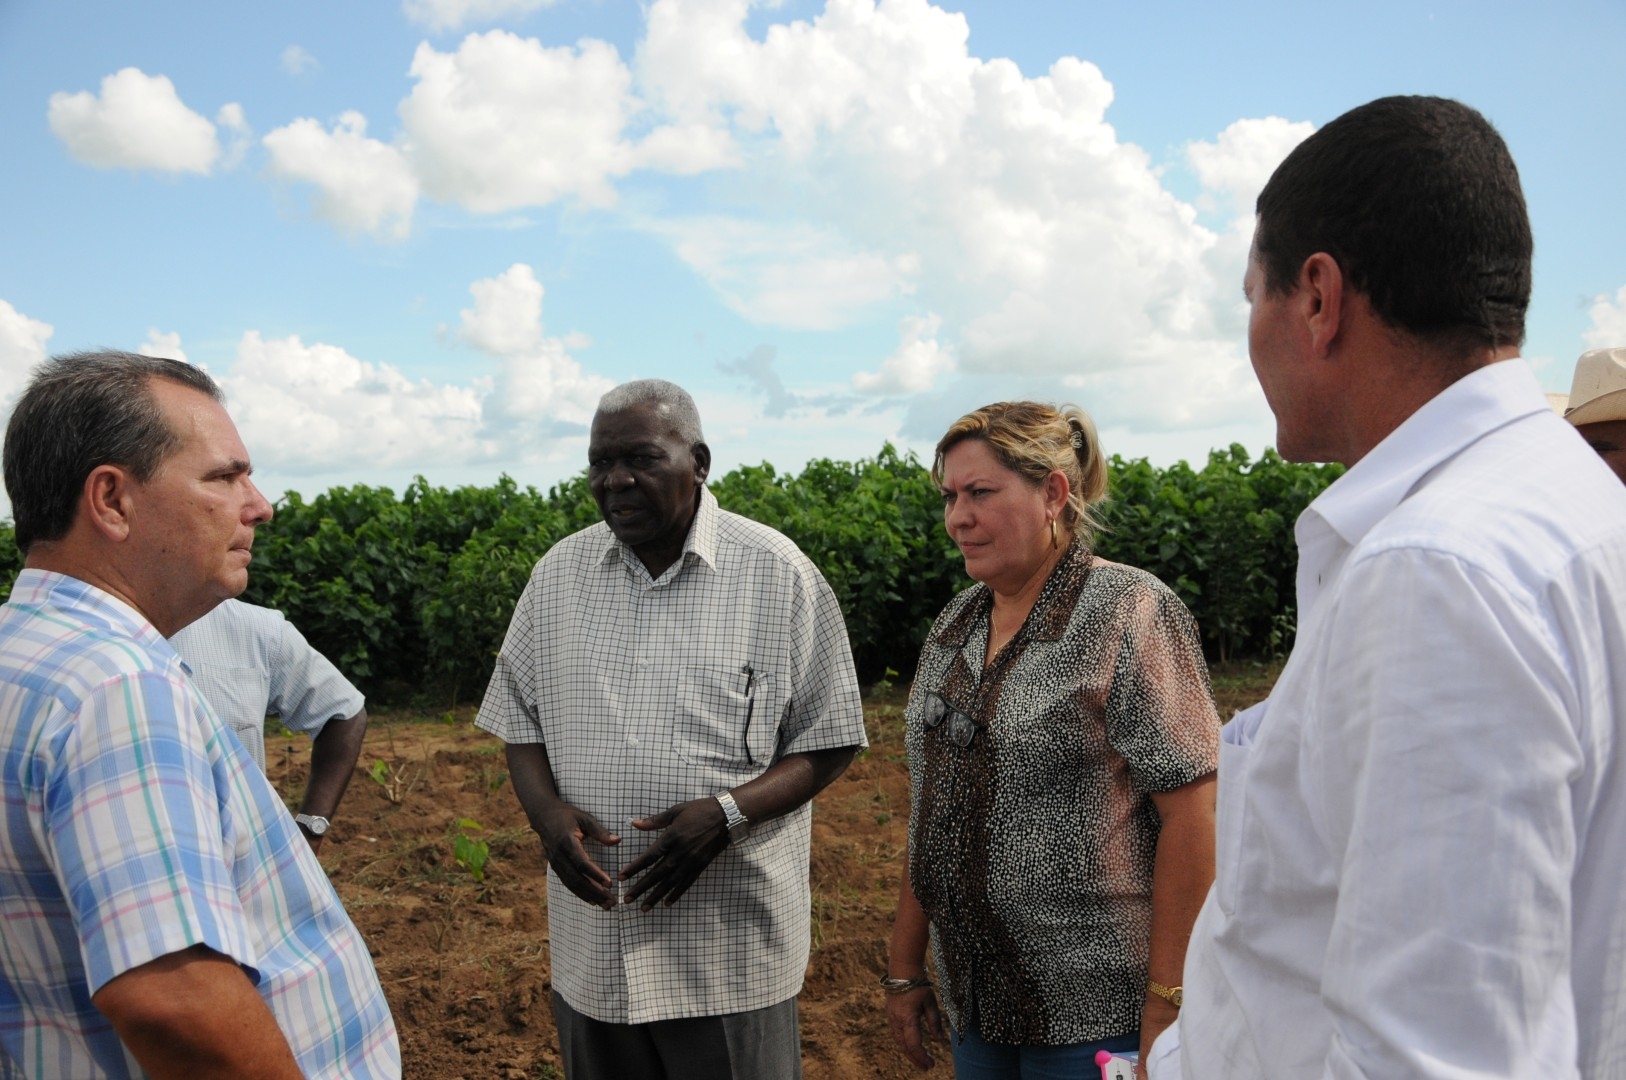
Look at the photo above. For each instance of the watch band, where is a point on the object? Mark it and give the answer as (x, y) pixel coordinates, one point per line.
(1174, 995)
(314, 824)
(739, 826)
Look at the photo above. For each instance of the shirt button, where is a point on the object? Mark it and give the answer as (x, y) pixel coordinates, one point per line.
(643, 662)
(632, 740)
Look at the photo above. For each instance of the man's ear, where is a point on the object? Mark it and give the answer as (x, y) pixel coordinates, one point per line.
(702, 463)
(1321, 288)
(105, 504)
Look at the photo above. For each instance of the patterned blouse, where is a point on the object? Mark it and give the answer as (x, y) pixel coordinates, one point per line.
(1032, 830)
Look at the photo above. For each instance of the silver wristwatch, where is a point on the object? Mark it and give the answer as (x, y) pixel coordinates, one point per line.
(739, 826)
(313, 824)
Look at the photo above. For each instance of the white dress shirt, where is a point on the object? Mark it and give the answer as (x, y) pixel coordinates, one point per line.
(651, 693)
(1421, 862)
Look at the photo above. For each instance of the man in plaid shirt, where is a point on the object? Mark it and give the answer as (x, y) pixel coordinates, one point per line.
(675, 686)
(162, 914)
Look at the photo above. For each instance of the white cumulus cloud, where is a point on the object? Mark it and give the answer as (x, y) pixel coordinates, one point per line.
(506, 122)
(506, 318)
(880, 169)
(440, 15)
(540, 387)
(138, 121)
(234, 122)
(312, 409)
(296, 60)
(315, 409)
(792, 275)
(164, 345)
(916, 365)
(1608, 317)
(1005, 202)
(362, 185)
(22, 346)
(1012, 194)
(1235, 166)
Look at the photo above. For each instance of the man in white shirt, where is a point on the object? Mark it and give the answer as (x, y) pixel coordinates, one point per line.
(248, 662)
(675, 686)
(1420, 867)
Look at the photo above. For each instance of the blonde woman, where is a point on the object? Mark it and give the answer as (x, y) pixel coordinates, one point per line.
(1062, 743)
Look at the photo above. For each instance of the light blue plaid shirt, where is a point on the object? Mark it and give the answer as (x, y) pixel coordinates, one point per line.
(132, 826)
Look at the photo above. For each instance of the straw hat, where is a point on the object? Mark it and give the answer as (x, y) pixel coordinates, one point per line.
(1598, 392)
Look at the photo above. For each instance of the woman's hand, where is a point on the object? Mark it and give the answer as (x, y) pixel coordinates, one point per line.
(1155, 1017)
(915, 1021)
(913, 1015)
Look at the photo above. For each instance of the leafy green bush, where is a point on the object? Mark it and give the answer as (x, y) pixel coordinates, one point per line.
(11, 559)
(1221, 538)
(874, 528)
(411, 596)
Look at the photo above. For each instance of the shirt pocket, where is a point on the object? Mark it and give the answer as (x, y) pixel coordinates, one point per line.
(725, 718)
(238, 695)
(1236, 744)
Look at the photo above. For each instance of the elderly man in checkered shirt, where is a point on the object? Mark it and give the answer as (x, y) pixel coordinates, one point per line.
(676, 685)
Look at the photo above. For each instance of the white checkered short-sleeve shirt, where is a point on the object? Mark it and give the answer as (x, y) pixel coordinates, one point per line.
(249, 661)
(651, 693)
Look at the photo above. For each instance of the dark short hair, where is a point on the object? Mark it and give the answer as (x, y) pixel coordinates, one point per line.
(81, 411)
(1419, 201)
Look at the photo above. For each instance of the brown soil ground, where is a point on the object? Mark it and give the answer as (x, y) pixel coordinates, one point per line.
(464, 962)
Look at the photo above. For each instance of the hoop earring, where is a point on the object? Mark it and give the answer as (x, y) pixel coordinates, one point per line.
(1055, 541)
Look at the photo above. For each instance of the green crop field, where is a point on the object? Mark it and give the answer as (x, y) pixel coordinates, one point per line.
(410, 594)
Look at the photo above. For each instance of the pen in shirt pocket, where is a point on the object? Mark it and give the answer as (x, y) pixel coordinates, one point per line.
(750, 705)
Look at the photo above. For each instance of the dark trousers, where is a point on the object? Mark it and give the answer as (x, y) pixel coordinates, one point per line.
(763, 1044)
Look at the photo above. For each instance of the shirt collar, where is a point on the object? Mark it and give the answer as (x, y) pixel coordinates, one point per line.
(1049, 617)
(1461, 414)
(39, 587)
(701, 541)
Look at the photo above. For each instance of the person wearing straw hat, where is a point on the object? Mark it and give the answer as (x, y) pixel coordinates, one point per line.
(1597, 405)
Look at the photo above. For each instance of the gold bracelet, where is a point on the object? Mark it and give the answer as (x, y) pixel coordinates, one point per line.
(903, 986)
(1174, 995)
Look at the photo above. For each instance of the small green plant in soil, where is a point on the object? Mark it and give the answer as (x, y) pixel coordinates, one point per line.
(471, 853)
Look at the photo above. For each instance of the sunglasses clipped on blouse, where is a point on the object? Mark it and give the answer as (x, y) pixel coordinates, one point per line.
(962, 728)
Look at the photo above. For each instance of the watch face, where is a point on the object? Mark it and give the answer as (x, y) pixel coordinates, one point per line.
(317, 826)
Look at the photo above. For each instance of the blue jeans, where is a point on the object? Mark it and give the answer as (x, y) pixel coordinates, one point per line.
(978, 1060)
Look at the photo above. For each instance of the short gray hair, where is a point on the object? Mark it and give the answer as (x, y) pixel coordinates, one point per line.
(79, 412)
(666, 397)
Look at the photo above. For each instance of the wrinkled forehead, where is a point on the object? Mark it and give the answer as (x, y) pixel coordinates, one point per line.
(645, 423)
(198, 423)
(971, 460)
(189, 413)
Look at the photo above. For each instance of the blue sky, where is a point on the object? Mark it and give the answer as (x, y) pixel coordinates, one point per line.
(421, 237)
